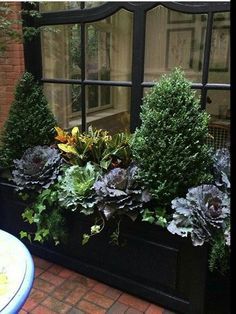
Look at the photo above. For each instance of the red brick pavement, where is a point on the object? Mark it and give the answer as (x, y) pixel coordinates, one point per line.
(60, 290)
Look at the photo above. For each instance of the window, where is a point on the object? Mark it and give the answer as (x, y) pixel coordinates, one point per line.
(88, 68)
(99, 58)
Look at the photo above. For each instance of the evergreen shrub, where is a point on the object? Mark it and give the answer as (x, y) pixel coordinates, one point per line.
(170, 145)
(30, 121)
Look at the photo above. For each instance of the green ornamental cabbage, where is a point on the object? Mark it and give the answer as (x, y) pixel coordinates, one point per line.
(76, 188)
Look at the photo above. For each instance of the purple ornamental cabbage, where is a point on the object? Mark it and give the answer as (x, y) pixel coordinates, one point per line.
(38, 168)
(222, 167)
(227, 236)
(118, 192)
(204, 209)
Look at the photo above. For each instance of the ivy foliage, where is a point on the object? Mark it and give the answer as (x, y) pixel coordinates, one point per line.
(30, 121)
(47, 217)
(170, 145)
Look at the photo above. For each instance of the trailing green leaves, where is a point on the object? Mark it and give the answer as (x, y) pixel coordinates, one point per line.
(47, 217)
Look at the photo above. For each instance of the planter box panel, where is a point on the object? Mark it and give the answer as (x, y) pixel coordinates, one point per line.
(139, 258)
(154, 265)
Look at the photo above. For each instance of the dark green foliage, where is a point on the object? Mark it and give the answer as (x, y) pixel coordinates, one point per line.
(170, 146)
(30, 121)
(219, 255)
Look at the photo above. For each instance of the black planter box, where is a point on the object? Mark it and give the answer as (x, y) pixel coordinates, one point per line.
(154, 264)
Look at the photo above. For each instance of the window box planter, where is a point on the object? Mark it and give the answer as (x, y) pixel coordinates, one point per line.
(154, 264)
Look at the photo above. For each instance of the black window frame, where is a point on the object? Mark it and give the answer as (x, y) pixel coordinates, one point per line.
(33, 58)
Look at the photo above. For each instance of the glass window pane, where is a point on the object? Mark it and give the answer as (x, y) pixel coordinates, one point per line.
(174, 39)
(146, 90)
(109, 48)
(107, 107)
(92, 4)
(219, 68)
(113, 111)
(92, 97)
(61, 54)
(105, 96)
(218, 106)
(75, 98)
(65, 103)
(47, 6)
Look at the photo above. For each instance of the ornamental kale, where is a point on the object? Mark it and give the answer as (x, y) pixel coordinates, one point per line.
(222, 168)
(119, 192)
(204, 209)
(76, 188)
(38, 168)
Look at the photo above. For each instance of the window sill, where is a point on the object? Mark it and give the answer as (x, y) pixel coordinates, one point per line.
(95, 116)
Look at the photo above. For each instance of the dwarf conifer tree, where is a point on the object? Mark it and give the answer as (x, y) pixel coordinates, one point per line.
(30, 121)
(170, 145)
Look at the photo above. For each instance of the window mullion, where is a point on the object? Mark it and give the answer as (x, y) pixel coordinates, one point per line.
(137, 67)
(206, 59)
(83, 60)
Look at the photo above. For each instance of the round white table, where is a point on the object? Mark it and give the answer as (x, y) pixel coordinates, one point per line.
(16, 273)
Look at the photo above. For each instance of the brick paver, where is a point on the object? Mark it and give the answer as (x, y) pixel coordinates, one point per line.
(60, 290)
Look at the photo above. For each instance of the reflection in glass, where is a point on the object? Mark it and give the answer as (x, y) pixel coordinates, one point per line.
(114, 114)
(218, 106)
(98, 97)
(75, 98)
(47, 6)
(219, 68)
(61, 53)
(63, 99)
(109, 48)
(173, 39)
(75, 52)
(107, 107)
(92, 97)
(92, 4)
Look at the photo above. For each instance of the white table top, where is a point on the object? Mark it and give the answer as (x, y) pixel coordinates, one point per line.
(14, 261)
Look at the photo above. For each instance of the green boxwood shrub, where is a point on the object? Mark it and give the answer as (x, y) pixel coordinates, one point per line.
(170, 145)
(30, 121)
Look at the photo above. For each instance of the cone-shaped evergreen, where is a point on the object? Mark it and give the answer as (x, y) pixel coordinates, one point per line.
(170, 146)
(30, 121)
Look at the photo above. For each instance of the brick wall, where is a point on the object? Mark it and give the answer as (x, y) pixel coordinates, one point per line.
(11, 69)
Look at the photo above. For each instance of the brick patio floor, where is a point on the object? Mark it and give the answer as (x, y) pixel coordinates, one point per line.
(60, 290)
